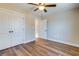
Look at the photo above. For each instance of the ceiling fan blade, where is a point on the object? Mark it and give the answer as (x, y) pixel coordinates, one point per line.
(39, 3)
(36, 9)
(33, 4)
(54, 5)
(45, 10)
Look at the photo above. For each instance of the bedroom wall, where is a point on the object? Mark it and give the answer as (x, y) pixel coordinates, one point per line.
(64, 27)
(29, 28)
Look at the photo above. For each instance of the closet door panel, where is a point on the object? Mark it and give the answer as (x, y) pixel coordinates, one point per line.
(5, 41)
(18, 28)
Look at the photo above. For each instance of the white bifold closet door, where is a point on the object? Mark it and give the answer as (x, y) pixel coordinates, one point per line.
(5, 40)
(12, 29)
(17, 29)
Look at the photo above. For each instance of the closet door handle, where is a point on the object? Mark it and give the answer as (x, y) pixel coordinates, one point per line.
(11, 31)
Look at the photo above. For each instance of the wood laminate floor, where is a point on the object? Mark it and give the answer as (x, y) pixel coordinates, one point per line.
(49, 49)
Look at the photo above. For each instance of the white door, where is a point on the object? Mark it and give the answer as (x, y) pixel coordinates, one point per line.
(41, 28)
(17, 29)
(5, 41)
(12, 29)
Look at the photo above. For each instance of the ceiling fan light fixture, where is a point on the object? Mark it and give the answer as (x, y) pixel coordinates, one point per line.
(41, 7)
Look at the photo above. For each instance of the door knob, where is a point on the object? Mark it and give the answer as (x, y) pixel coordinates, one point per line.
(11, 31)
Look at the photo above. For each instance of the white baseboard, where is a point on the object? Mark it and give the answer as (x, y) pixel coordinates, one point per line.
(29, 41)
(17, 44)
(68, 43)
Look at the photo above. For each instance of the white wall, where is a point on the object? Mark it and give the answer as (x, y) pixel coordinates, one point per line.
(30, 28)
(40, 28)
(64, 27)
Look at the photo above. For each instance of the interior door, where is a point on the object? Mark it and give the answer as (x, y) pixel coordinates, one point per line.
(5, 41)
(12, 28)
(17, 29)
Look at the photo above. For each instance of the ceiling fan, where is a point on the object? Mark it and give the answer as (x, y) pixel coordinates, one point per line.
(42, 6)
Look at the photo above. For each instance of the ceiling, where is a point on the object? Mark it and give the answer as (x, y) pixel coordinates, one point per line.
(27, 8)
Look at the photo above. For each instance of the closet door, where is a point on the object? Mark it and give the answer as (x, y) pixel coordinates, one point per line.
(12, 29)
(5, 41)
(17, 29)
